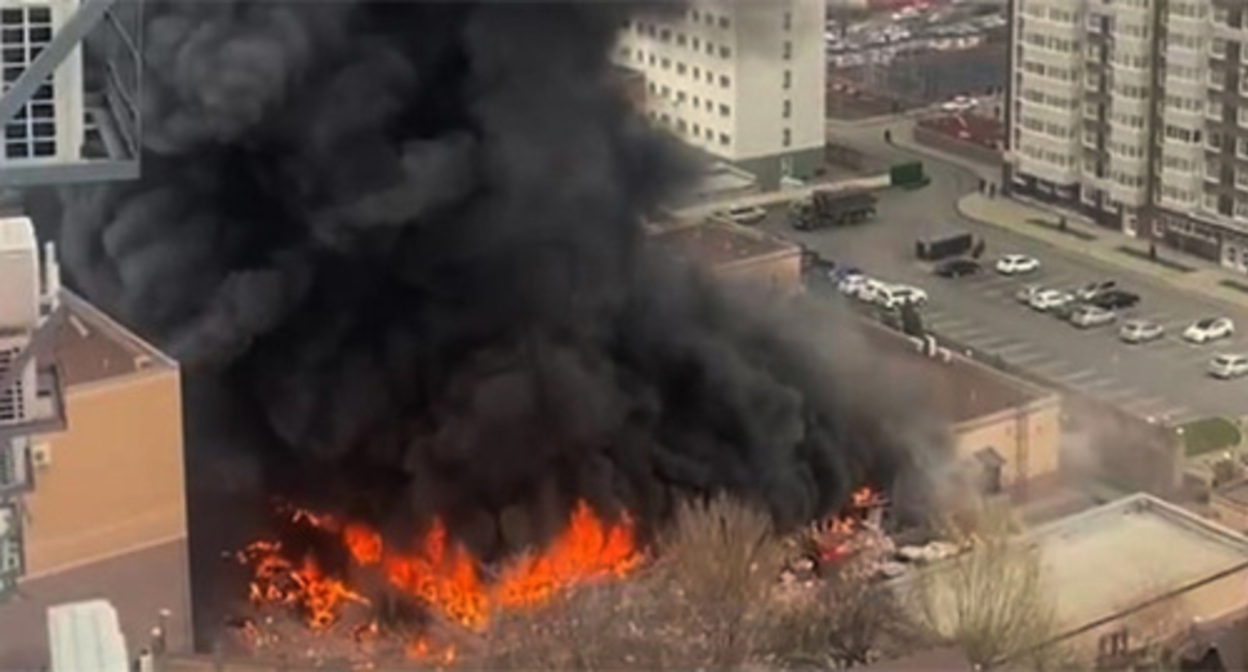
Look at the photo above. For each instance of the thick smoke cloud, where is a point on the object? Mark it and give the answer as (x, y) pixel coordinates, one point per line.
(401, 242)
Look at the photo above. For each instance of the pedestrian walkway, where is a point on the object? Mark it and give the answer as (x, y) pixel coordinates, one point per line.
(1083, 237)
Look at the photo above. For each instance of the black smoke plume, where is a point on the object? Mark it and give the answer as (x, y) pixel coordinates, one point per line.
(400, 245)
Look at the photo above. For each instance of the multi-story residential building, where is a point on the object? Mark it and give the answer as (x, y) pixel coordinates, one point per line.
(743, 81)
(1135, 112)
(92, 483)
(50, 127)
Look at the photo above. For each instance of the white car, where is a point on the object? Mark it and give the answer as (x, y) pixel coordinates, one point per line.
(871, 290)
(1140, 331)
(1086, 317)
(1228, 366)
(1209, 329)
(1025, 293)
(959, 104)
(896, 296)
(1049, 299)
(1017, 264)
(745, 214)
(852, 285)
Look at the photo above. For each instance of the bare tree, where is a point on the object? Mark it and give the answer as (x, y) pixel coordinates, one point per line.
(990, 600)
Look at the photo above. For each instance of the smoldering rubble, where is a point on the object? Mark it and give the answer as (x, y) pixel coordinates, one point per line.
(402, 242)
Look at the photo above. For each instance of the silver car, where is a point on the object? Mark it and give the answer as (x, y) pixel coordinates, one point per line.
(1027, 293)
(1140, 331)
(1228, 366)
(1086, 317)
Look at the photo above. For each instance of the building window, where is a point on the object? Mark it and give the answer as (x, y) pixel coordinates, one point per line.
(667, 63)
(1217, 47)
(787, 51)
(682, 126)
(724, 139)
(724, 81)
(697, 44)
(680, 68)
(709, 77)
(680, 96)
(788, 79)
(710, 135)
(697, 130)
(788, 20)
(787, 110)
(708, 19)
(787, 139)
(725, 52)
(651, 59)
(665, 35)
(709, 105)
(723, 110)
(680, 39)
(697, 102)
(724, 22)
(25, 34)
(697, 72)
(710, 47)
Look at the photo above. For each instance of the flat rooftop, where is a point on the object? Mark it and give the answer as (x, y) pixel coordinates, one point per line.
(964, 389)
(91, 347)
(1103, 562)
(719, 244)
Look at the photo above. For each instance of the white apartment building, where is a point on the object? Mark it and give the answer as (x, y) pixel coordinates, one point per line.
(743, 81)
(1130, 110)
(50, 127)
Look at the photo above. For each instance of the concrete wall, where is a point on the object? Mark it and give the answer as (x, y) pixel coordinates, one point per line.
(944, 143)
(116, 480)
(108, 513)
(1028, 439)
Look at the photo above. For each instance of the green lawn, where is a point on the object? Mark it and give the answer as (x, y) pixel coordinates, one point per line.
(1209, 434)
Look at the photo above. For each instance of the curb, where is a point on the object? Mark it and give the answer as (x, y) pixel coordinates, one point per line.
(1148, 278)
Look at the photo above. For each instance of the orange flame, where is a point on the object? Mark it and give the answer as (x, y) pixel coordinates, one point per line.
(441, 573)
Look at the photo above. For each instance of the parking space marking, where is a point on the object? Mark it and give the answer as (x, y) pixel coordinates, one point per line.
(1077, 376)
(1025, 358)
(1016, 346)
(1096, 387)
(1057, 369)
(995, 343)
(1147, 405)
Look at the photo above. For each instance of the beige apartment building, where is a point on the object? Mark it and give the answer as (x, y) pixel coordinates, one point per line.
(95, 493)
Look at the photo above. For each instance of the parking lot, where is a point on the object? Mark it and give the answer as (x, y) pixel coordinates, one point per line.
(1165, 379)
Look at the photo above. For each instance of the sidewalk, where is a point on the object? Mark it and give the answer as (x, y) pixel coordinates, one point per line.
(1085, 238)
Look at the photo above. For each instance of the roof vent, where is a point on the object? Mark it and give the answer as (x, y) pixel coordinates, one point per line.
(142, 362)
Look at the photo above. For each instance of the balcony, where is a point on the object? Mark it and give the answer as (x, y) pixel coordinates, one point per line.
(111, 40)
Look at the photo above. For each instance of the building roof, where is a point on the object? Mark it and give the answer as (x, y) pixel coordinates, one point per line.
(946, 659)
(91, 347)
(1106, 562)
(965, 389)
(720, 244)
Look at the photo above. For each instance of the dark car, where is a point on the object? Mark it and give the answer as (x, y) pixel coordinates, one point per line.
(1064, 311)
(957, 268)
(1115, 299)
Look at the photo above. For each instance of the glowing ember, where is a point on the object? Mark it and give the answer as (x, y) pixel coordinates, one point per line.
(440, 573)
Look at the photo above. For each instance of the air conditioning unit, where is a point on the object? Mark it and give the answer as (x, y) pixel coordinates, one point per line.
(41, 455)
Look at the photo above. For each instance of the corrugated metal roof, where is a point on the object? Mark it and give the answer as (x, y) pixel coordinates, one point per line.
(86, 636)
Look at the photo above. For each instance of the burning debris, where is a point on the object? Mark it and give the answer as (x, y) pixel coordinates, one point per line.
(438, 574)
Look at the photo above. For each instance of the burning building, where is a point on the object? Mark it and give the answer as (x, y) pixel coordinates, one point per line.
(402, 262)
(92, 501)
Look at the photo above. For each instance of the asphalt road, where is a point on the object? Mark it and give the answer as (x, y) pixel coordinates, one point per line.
(1164, 379)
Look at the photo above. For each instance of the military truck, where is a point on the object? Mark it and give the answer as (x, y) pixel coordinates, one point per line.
(831, 208)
